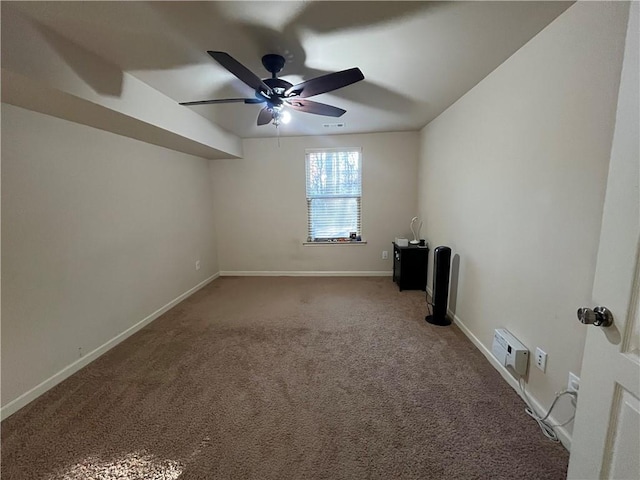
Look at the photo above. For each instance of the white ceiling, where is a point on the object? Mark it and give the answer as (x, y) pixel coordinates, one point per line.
(417, 57)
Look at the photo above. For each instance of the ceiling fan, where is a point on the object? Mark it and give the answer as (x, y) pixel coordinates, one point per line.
(278, 93)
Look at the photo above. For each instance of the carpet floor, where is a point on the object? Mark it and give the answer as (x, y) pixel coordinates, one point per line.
(284, 378)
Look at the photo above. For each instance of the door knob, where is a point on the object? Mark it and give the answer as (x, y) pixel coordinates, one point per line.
(599, 316)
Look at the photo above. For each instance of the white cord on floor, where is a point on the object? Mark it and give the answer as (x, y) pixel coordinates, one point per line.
(546, 427)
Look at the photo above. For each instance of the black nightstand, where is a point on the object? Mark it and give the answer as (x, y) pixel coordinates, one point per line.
(410, 267)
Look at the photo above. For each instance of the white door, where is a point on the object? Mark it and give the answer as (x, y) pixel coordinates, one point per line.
(606, 434)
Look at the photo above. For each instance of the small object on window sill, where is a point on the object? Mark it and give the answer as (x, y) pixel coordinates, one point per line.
(335, 241)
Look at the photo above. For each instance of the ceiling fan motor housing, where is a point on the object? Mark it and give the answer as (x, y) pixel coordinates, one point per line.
(279, 86)
(273, 63)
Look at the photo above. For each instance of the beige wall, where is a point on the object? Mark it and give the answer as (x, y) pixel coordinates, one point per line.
(512, 178)
(45, 72)
(261, 208)
(99, 231)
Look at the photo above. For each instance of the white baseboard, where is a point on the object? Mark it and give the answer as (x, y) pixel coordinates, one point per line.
(69, 370)
(308, 273)
(27, 397)
(563, 434)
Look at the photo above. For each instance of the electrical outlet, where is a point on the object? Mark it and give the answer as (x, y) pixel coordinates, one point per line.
(197, 264)
(573, 385)
(385, 254)
(541, 359)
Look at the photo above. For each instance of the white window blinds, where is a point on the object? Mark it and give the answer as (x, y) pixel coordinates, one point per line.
(334, 193)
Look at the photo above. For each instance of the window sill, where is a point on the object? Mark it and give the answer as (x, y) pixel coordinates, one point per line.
(361, 242)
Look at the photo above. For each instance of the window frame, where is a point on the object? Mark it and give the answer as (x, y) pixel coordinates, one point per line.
(310, 240)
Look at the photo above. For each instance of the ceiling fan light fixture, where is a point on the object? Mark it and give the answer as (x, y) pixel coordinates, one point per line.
(280, 115)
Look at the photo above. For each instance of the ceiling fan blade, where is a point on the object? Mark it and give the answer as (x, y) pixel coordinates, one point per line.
(326, 83)
(317, 108)
(265, 116)
(224, 100)
(240, 71)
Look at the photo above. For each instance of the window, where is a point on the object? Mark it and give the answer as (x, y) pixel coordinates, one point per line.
(334, 193)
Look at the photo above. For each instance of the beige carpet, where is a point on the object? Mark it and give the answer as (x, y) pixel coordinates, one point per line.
(284, 378)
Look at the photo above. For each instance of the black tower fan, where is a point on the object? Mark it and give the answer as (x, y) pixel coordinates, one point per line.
(441, 267)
